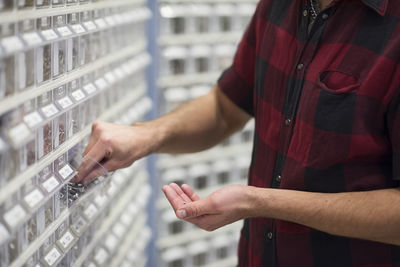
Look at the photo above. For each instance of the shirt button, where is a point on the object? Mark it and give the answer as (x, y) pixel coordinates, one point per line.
(305, 13)
(278, 178)
(287, 122)
(325, 16)
(270, 235)
(300, 66)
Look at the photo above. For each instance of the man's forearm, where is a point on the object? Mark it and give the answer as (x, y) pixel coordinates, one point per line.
(373, 215)
(198, 125)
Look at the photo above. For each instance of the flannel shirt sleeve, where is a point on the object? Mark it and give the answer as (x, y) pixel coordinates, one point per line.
(393, 124)
(237, 82)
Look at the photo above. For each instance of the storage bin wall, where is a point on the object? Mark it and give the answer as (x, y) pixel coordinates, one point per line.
(63, 65)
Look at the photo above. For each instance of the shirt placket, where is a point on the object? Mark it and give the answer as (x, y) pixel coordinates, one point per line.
(303, 59)
(307, 48)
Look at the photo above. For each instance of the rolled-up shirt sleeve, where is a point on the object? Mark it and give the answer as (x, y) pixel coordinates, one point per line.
(237, 82)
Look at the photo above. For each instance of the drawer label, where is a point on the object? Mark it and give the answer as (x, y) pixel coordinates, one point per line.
(66, 171)
(101, 83)
(64, 31)
(101, 23)
(111, 242)
(66, 240)
(49, 110)
(19, 134)
(101, 256)
(49, 35)
(90, 211)
(14, 216)
(12, 44)
(89, 88)
(52, 257)
(50, 184)
(65, 102)
(33, 198)
(78, 95)
(33, 119)
(32, 38)
(78, 28)
(90, 26)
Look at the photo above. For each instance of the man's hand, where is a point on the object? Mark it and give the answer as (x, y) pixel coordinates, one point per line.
(114, 147)
(190, 128)
(222, 207)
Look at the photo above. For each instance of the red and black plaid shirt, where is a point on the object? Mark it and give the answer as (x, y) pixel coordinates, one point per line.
(327, 112)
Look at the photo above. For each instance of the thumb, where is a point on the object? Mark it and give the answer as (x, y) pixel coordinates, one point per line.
(193, 209)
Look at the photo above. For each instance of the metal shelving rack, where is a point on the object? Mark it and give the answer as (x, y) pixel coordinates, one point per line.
(63, 65)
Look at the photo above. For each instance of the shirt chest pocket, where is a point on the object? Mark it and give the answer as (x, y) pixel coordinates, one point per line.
(338, 82)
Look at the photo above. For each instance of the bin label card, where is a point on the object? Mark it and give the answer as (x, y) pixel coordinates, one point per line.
(101, 23)
(111, 242)
(12, 44)
(14, 216)
(65, 102)
(66, 171)
(78, 28)
(78, 95)
(49, 35)
(64, 31)
(66, 240)
(101, 83)
(32, 38)
(101, 256)
(90, 211)
(33, 119)
(52, 257)
(50, 184)
(33, 198)
(49, 110)
(89, 88)
(19, 134)
(110, 77)
(90, 26)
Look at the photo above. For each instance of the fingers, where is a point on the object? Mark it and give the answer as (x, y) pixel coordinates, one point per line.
(95, 155)
(93, 174)
(92, 141)
(190, 193)
(99, 170)
(183, 205)
(180, 193)
(174, 199)
(94, 137)
(195, 209)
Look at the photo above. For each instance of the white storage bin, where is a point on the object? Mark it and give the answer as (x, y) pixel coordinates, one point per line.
(200, 56)
(174, 19)
(222, 170)
(174, 61)
(221, 247)
(200, 177)
(201, 15)
(225, 17)
(199, 253)
(175, 97)
(175, 257)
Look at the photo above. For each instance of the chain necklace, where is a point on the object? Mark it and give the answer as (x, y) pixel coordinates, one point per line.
(315, 9)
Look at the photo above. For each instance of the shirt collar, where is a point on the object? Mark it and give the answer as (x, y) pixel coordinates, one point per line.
(380, 6)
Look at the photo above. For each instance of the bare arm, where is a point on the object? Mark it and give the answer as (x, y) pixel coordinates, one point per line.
(372, 215)
(199, 124)
(193, 127)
